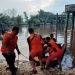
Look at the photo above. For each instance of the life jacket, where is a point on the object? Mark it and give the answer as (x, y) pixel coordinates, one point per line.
(35, 43)
(54, 45)
(10, 42)
(58, 49)
(51, 50)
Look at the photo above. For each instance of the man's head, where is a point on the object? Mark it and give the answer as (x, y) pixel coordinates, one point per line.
(47, 39)
(51, 35)
(30, 30)
(15, 30)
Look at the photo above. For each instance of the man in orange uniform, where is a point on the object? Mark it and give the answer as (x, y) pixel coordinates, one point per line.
(35, 47)
(9, 44)
(57, 53)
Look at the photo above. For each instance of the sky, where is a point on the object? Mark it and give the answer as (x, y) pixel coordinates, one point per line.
(33, 6)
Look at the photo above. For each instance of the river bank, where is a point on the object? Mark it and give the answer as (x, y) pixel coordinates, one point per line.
(24, 68)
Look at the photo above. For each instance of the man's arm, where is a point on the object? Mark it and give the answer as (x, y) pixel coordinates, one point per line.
(5, 45)
(28, 41)
(5, 41)
(17, 49)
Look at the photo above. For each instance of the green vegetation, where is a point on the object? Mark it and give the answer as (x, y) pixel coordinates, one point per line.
(11, 19)
(47, 17)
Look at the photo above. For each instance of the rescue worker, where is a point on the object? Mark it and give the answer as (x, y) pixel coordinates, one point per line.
(46, 46)
(9, 44)
(56, 54)
(45, 52)
(35, 47)
(52, 37)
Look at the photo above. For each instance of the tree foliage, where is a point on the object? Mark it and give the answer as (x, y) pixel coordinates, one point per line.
(9, 18)
(42, 16)
(47, 17)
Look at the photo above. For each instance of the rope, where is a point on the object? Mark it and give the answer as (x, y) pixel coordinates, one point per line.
(18, 62)
(24, 56)
(18, 59)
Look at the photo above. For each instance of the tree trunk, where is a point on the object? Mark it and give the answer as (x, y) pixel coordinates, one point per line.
(73, 49)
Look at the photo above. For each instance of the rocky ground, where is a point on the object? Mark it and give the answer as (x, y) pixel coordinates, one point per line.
(24, 68)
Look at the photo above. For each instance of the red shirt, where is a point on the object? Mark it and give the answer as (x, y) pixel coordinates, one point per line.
(36, 45)
(10, 40)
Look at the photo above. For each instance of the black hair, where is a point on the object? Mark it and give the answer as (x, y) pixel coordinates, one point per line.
(51, 35)
(31, 30)
(43, 39)
(48, 38)
(15, 29)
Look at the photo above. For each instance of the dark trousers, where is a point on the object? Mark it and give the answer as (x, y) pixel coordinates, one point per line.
(10, 59)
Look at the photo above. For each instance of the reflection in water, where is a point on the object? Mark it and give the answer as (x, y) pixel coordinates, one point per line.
(23, 46)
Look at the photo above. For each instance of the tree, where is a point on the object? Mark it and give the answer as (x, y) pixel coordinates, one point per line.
(42, 16)
(10, 12)
(26, 18)
(4, 22)
(19, 20)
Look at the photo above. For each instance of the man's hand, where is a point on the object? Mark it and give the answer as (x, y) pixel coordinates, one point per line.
(8, 52)
(19, 52)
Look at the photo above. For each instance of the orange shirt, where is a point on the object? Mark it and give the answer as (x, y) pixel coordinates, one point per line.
(35, 42)
(10, 40)
(54, 45)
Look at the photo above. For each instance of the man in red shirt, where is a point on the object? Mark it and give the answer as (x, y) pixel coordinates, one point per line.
(35, 47)
(9, 44)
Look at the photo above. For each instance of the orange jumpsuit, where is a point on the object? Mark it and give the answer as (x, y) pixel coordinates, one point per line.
(57, 54)
(36, 46)
(10, 42)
